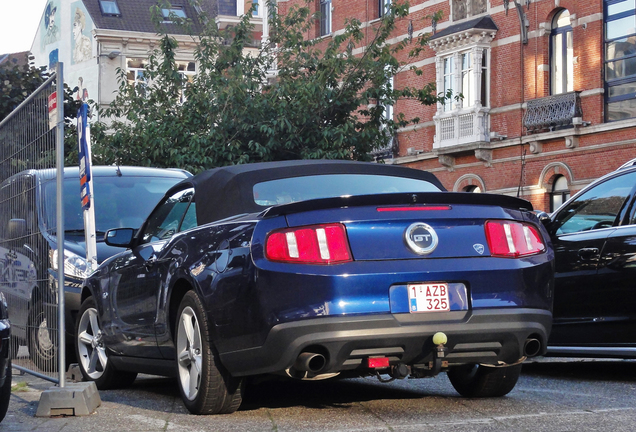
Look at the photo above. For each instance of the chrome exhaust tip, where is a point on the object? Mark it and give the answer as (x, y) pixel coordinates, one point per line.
(310, 362)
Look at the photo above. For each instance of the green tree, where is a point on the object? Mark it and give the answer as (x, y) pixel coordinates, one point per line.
(18, 80)
(322, 101)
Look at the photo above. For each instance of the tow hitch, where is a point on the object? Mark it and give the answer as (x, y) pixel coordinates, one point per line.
(401, 370)
(439, 355)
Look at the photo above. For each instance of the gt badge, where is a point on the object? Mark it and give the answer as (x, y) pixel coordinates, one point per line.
(421, 238)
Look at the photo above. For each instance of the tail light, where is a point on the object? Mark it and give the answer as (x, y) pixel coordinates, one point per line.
(510, 239)
(316, 244)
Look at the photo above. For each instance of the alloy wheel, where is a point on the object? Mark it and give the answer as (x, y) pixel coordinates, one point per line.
(189, 354)
(91, 350)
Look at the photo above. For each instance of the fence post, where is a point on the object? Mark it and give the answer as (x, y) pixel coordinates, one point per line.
(61, 349)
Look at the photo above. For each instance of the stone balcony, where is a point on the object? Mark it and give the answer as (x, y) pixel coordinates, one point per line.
(460, 127)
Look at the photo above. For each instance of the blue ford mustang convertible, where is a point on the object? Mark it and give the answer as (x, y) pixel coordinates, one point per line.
(318, 269)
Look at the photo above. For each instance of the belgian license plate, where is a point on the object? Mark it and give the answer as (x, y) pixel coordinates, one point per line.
(431, 297)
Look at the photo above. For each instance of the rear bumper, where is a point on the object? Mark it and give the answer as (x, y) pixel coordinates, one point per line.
(479, 336)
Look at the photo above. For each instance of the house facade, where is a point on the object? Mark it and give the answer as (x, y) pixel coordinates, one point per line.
(96, 38)
(548, 91)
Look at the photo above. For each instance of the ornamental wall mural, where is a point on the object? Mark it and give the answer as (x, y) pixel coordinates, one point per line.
(50, 23)
(81, 28)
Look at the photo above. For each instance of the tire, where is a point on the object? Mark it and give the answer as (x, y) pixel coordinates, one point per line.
(91, 353)
(5, 392)
(205, 385)
(478, 381)
(42, 336)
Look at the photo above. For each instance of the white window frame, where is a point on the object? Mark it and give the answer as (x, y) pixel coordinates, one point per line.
(138, 72)
(139, 78)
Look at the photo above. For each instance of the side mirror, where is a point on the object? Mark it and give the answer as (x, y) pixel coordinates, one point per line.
(543, 217)
(120, 237)
(17, 229)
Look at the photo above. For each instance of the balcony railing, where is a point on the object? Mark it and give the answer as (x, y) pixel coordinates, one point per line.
(553, 112)
(388, 151)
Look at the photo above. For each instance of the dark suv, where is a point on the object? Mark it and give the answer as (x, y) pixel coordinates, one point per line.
(28, 244)
(594, 238)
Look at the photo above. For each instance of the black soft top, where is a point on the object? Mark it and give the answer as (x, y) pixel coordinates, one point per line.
(228, 191)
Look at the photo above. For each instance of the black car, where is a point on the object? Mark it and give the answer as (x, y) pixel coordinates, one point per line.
(5, 358)
(318, 269)
(594, 238)
(124, 196)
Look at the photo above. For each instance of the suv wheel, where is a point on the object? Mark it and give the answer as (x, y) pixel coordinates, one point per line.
(92, 354)
(42, 336)
(205, 386)
(477, 381)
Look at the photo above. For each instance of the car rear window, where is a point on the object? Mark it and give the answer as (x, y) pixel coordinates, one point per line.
(282, 191)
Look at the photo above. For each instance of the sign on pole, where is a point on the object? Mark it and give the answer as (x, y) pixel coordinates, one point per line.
(53, 110)
(86, 187)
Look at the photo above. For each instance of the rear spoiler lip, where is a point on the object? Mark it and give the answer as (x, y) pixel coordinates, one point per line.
(416, 198)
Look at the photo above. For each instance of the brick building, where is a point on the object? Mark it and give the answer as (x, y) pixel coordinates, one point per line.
(548, 86)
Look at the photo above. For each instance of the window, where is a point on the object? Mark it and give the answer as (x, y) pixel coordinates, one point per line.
(562, 54)
(466, 77)
(325, 17)
(109, 7)
(472, 189)
(467, 8)
(560, 192)
(135, 71)
(597, 208)
(295, 189)
(255, 11)
(388, 108)
(449, 80)
(113, 203)
(169, 217)
(620, 59)
(468, 74)
(175, 11)
(384, 6)
(187, 70)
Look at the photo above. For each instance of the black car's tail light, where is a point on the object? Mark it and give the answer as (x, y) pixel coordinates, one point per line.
(510, 239)
(316, 244)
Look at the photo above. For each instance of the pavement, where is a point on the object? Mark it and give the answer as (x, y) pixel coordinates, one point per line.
(154, 404)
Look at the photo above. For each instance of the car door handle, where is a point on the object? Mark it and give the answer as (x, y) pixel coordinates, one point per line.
(587, 253)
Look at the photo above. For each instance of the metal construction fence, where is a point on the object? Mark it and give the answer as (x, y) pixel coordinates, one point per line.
(31, 223)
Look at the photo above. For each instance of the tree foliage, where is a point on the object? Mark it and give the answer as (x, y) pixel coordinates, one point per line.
(18, 80)
(326, 99)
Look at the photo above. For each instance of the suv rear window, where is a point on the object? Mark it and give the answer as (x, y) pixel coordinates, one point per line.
(294, 189)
